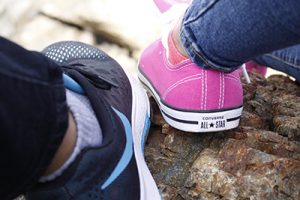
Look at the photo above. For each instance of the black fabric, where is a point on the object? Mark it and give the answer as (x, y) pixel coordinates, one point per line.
(33, 117)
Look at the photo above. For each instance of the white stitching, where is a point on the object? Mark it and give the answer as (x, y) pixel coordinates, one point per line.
(220, 89)
(205, 93)
(223, 89)
(232, 76)
(180, 82)
(177, 67)
(233, 79)
(202, 88)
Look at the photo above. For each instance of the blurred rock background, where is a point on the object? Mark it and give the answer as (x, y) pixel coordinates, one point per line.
(259, 160)
(121, 28)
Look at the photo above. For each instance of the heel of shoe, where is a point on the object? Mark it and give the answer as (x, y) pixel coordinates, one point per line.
(202, 121)
(193, 120)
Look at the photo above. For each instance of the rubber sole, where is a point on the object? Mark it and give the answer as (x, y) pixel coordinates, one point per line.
(195, 121)
(140, 128)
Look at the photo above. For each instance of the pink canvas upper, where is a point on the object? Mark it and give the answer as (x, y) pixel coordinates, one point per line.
(252, 66)
(186, 85)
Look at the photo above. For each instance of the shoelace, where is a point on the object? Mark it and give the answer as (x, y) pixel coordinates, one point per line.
(245, 73)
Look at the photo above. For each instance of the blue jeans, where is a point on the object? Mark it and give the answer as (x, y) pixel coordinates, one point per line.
(286, 60)
(223, 34)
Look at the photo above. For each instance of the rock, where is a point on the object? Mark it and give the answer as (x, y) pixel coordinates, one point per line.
(117, 27)
(121, 55)
(288, 126)
(258, 160)
(49, 31)
(130, 23)
(10, 18)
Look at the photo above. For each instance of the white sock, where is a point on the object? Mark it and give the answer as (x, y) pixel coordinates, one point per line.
(89, 133)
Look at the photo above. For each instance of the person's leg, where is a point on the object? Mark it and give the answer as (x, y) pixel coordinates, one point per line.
(223, 34)
(286, 60)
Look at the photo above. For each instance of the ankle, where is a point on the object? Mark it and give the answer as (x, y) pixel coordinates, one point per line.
(176, 53)
(176, 38)
(66, 148)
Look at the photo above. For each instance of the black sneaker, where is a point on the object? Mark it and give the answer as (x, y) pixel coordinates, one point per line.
(116, 169)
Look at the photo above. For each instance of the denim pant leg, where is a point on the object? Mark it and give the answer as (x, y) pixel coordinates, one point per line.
(286, 60)
(222, 34)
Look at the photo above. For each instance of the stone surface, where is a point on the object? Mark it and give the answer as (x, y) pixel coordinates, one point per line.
(11, 18)
(50, 31)
(131, 23)
(258, 160)
(114, 26)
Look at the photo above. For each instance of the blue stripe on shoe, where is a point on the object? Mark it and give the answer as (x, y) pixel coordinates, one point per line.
(127, 154)
(72, 85)
(145, 132)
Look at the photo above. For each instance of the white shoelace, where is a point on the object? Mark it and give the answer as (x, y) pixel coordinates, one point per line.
(245, 73)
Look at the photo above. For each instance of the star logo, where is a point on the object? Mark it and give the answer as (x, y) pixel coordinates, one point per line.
(211, 125)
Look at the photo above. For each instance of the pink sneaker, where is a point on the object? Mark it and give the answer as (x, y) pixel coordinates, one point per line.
(252, 66)
(191, 98)
(165, 5)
